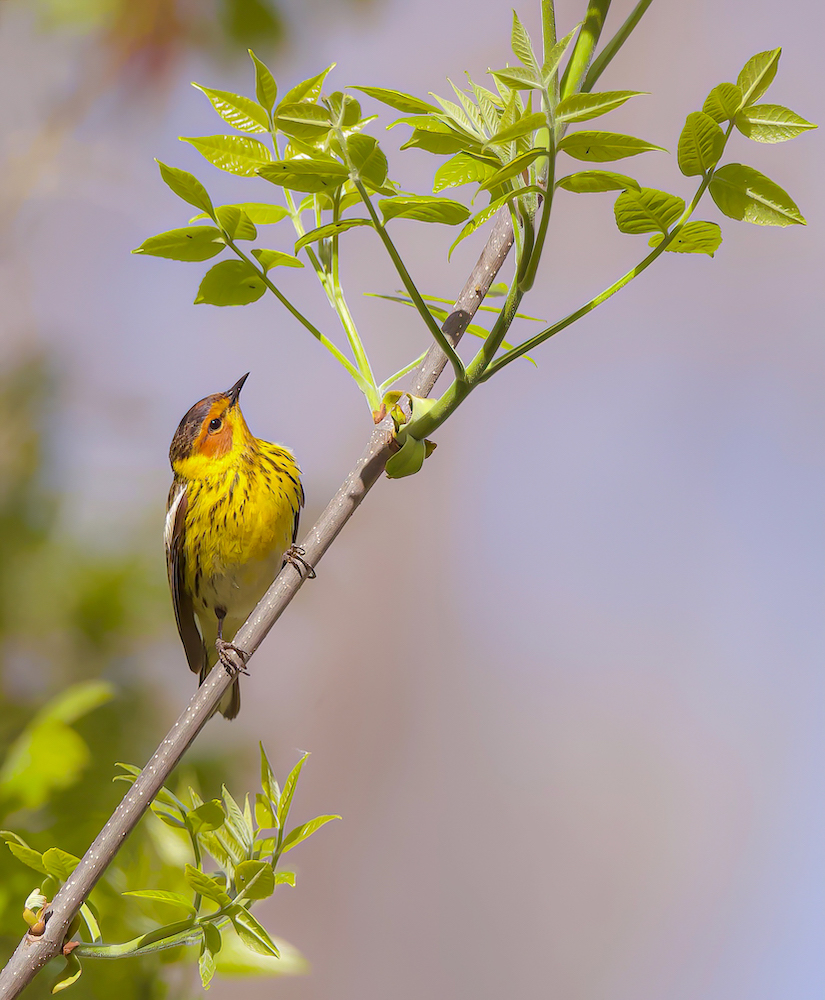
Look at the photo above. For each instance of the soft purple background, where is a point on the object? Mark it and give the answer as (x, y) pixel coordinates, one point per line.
(565, 686)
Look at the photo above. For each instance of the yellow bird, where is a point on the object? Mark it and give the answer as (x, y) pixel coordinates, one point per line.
(231, 523)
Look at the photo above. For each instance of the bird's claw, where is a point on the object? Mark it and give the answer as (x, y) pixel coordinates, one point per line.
(294, 555)
(228, 660)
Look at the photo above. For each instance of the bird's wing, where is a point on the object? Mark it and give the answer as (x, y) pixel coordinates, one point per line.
(176, 567)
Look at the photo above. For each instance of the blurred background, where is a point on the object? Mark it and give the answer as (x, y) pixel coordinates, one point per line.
(565, 686)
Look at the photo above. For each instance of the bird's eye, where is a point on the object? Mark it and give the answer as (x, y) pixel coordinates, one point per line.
(215, 424)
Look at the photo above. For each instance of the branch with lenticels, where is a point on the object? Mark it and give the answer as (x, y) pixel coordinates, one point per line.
(34, 951)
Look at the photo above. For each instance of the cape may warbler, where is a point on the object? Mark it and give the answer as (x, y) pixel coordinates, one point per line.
(231, 520)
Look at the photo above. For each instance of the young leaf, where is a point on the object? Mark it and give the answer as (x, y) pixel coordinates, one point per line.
(700, 144)
(440, 143)
(193, 243)
(591, 181)
(263, 214)
(70, 974)
(285, 878)
(307, 90)
(230, 283)
(210, 947)
(647, 210)
(555, 56)
(463, 169)
(90, 920)
(300, 833)
(162, 896)
(240, 112)
(522, 46)
(405, 103)
(236, 154)
(275, 258)
(33, 859)
(289, 790)
(266, 90)
(264, 815)
(237, 823)
(523, 126)
(303, 120)
(367, 159)
(252, 934)
(602, 146)
(187, 187)
(757, 75)
(723, 102)
(582, 107)
(693, 237)
(771, 123)
(262, 874)
(518, 78)
(511, 169)
(206, 885)
(208, 816)
(306, 175)
(269, 784)
(235, 223)
(331, 229)
(59, 864)
(742, 193)
(424, 208)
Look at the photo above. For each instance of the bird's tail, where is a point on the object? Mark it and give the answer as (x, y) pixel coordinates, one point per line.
(230, 704)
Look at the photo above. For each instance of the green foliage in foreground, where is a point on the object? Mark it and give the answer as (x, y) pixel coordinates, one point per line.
(246, 843)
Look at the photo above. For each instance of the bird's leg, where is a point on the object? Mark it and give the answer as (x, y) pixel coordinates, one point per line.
(226, 649)
(294, 555)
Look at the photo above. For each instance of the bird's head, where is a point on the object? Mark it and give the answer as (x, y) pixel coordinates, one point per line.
(212, 434)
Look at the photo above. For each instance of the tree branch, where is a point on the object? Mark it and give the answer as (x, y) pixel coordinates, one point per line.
(34, 952)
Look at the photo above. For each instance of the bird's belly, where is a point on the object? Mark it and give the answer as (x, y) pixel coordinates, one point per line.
(237, 588)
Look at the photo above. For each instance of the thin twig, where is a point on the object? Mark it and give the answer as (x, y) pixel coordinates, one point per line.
(34, 952)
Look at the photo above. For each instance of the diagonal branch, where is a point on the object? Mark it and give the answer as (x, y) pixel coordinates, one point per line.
(34, 952)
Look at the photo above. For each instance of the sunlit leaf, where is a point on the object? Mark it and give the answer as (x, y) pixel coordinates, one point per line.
(307, 90)
(190, 243)
(58, 863)
(266, 90)
(700, 144)
(236, 154)
(463, 169)
(70, 974)
(240, 112)
(331, 229)
(186, 186)
(723, 102)
(757, 75)
(524, 126)
(262, 874)
(405, 103)
(367, 159)
(306, 175)
(275, 258)
(206, 885)
(303, 120)
(516, 166)
(647, 210)
(582, 107)
(522, 47)
(603, 146)
(236, 822)
(771, 123)
(230, 283)
(252, 934)
(235, 223)
(592, 181)
(487, 213)
(424, 208)
(31, 858)
(208, 816)
(300, 833)
(289, 790)
(518, 78)
(162, 896)
(742, 193)
(264, 814)
(693, 237)
(555, 56)
(269, 784)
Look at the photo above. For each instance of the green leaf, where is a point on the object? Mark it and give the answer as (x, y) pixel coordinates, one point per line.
(487, 213)
(693, 237)
(331, 229)
(516, 166)
(700, 144)
(230, 283)
(187, 187)
(194, 243)
(367, 159)
(440, 143)
(424, 208)
(90, 920)
(303, 120)
(266, 90)
(235, 223)
(289, 790)
(591, 181)
(518, 78)
(263, 875)
(285, 878)
(236, 822)
(261, 213)
(210, 947)
(757, 75)
(33, 859)
(59, 864)
(771, 123)
(252, 934)
(236, 154)
(723, 102)
(206, 885)
(647, 210)
(240, 112)
(300, 833)
(306, 175)
(602, 146)
(555, 56)
(269, 784)
(76, 701)
(162, 896)
(208, 816)
(522, 126)
(70, 974)
(264, 814)
(307, 90)
(582, 107)
(275, 258)
(742, 193)
(463, 169)
(397, 99)
(522, 47)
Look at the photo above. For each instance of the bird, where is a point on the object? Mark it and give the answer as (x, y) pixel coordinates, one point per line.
(231, 523)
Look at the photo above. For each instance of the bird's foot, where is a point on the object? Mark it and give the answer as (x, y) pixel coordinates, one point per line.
(294, 555)
(232, 657)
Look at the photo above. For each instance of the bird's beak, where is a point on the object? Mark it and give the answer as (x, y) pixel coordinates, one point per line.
(233, 393)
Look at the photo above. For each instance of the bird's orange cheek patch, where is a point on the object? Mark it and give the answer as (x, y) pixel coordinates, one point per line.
(214, 445)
